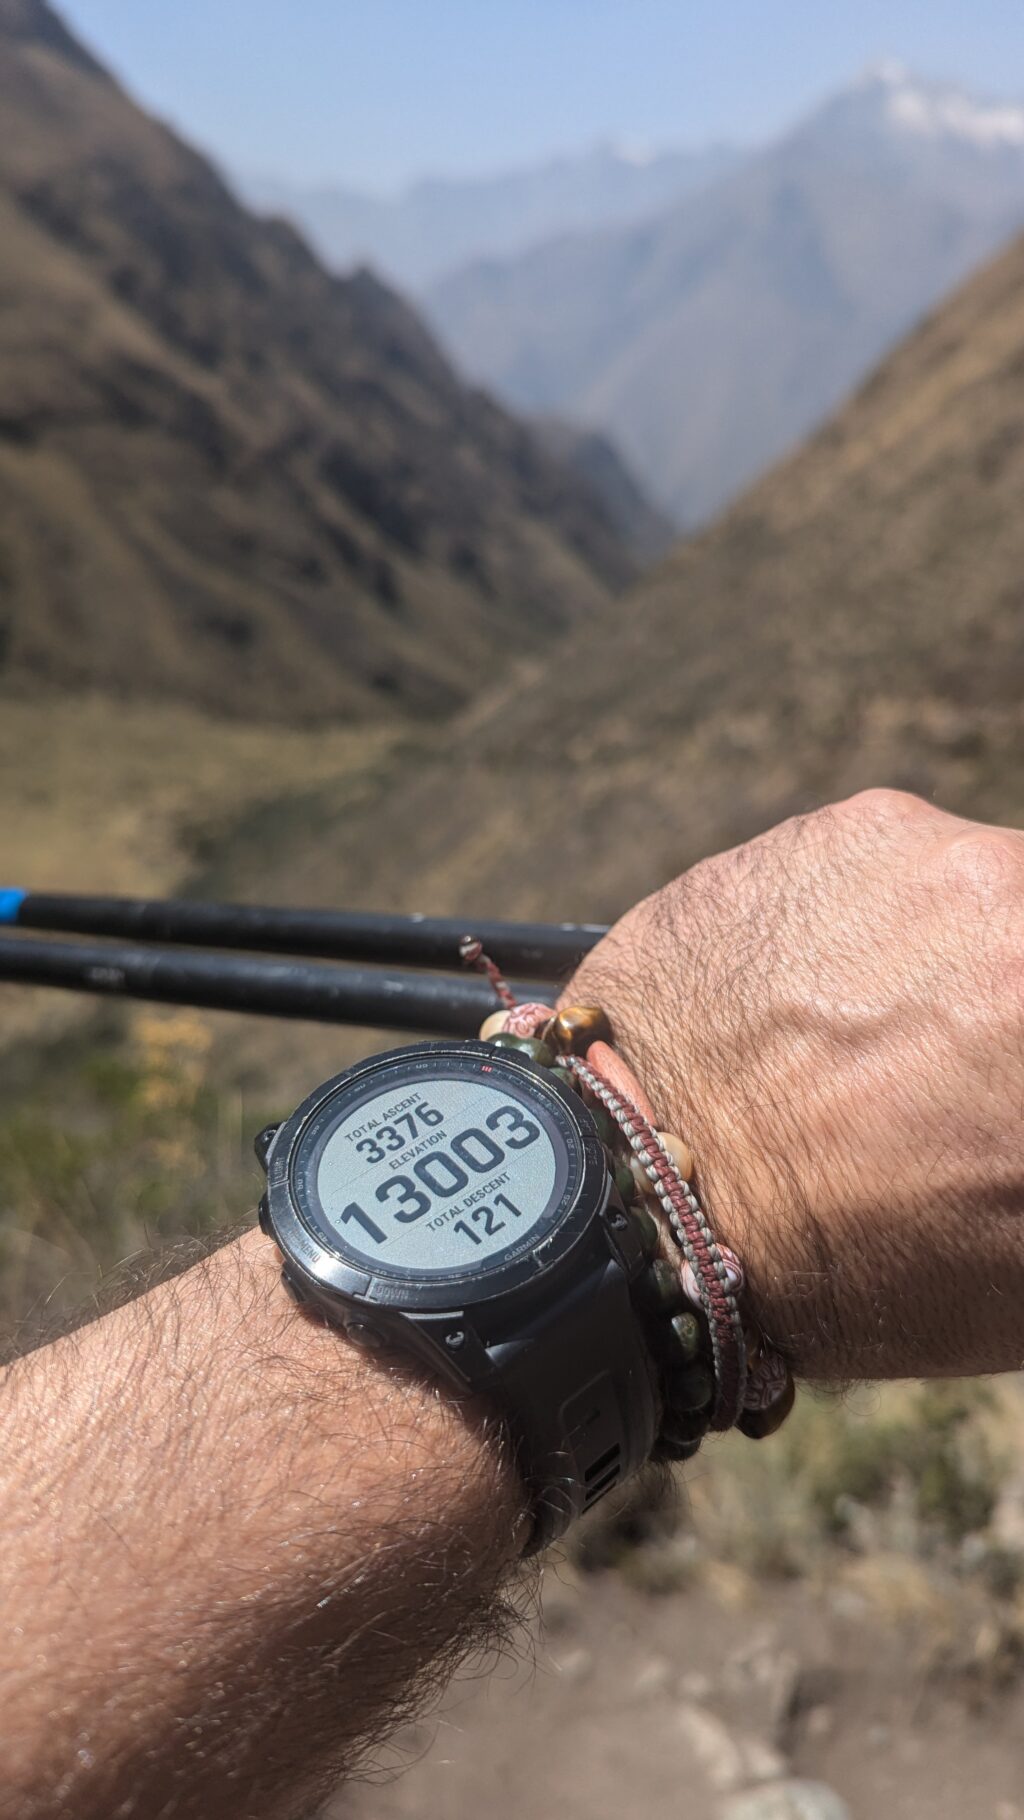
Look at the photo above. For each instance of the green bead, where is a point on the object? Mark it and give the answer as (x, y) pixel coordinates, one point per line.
(526, 1045)
(686, 1333)
(681, 1434)
(660, 1288)
(624, 1182)
(666, 1449)
(690, 1390)
(607, 1129)
(650, 1236)
(681, 1425)
(566, 1077)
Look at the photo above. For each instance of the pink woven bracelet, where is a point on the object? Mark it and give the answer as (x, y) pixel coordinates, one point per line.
(753, 1388)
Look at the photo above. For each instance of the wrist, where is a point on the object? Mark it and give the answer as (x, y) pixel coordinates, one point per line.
(417, 1425)
(743, 1168)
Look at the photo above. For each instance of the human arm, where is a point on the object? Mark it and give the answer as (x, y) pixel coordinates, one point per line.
(233, 1547)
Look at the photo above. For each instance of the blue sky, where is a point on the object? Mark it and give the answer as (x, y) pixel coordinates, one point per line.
(384, 90)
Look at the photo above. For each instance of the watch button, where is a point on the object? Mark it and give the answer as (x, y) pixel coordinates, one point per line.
(263, 1214)
(262, 1143)
(362, 1334)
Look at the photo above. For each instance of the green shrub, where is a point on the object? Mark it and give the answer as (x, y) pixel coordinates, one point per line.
(118, 1151)
(933, 1446)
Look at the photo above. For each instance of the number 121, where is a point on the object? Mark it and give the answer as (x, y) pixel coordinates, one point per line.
(491, 1223)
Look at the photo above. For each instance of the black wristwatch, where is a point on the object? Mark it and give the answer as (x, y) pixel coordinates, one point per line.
(455, 1200)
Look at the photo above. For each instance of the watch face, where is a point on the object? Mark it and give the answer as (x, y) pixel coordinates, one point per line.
(435, 1166)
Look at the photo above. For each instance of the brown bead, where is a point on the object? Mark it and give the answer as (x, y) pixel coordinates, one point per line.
(574, 1029)
(758, 1424)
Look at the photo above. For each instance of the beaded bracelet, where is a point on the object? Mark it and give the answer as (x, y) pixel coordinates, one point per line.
(717, 1370)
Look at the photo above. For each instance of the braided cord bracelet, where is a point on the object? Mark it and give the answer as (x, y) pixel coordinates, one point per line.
(718, 1371)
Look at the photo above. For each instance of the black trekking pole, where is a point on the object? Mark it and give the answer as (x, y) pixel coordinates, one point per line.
(372, 998)
(541, 950)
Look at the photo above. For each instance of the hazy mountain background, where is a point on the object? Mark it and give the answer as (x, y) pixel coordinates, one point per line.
(708, 338)
(230, 477)
(421, 233)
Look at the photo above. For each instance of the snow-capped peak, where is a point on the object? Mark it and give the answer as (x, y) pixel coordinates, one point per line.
(938, 112)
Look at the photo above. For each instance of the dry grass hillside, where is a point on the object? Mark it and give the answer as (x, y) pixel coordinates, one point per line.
(226, 476)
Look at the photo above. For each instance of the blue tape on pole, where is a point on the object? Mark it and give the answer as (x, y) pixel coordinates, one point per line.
(10, 904)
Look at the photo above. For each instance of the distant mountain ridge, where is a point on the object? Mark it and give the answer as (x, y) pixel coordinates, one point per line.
(709, 338)
(226, 475)
(418, 235)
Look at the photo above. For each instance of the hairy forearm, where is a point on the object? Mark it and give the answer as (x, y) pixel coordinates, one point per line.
(233, 1547)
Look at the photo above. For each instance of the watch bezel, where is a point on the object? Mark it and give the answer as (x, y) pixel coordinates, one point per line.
(333, 1276)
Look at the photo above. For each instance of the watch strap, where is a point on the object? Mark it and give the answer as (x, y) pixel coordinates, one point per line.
(578, 1389)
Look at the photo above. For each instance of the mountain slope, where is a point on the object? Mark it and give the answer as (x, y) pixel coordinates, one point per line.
(224, 474)
(857, 618)
(598, 463)
(716, 335)
(439, 223)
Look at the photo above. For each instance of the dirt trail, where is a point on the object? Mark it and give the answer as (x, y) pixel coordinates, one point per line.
(667, 1707)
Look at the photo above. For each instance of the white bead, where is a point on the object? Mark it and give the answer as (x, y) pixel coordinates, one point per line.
(493, 1025)
(640, 1176)
(690, 1289)
(681, 1154)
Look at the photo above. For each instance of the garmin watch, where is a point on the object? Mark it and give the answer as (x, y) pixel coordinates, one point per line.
(454, 1201)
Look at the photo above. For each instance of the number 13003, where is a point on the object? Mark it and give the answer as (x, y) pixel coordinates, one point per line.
(444, 1173)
